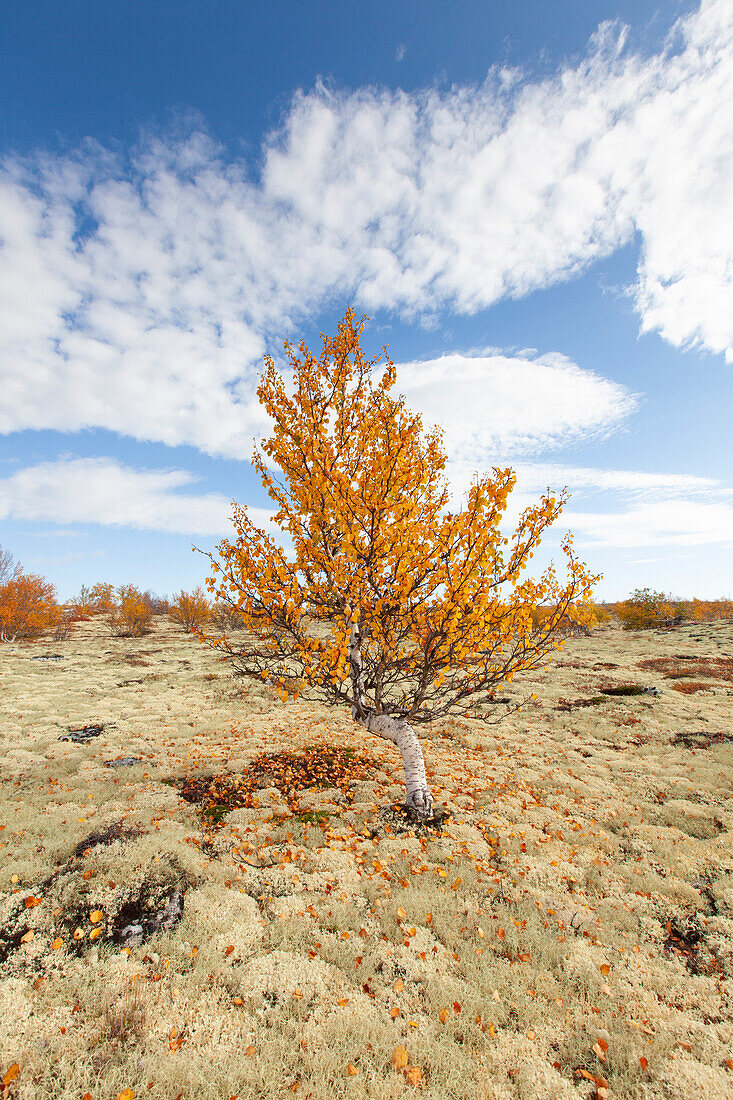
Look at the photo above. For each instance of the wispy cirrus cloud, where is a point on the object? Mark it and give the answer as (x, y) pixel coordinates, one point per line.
(655, 509)
(140, 288)
(104, 491)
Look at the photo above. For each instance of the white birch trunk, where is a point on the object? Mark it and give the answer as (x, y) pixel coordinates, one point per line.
(397, 730)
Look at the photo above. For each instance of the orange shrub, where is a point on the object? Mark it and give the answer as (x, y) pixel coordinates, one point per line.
(95, 600)
(644, 610)
(576, 619)
(28, 607)
(102, 597)
(131, 615)
(191, 610)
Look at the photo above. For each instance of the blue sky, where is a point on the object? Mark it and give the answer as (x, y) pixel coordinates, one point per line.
(532, 203)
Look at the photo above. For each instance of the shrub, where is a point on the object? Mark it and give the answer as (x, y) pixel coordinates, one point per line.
(64, 624)
(10, 569)
(131, 616)
(644, 610)
(191, 610)
(225, 617)
(158, 605)
(576, 619)
(102, 597)
(28, 607)
(93, 601)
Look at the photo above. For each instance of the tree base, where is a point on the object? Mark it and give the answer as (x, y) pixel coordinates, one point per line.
(403, 818)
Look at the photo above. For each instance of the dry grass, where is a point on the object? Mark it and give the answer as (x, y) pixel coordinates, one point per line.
(568, 930)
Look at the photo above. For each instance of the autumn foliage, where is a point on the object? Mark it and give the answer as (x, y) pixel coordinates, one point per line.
(191, 610)
(434, 600)
(94, 600)
(28, 607)
(131, 615)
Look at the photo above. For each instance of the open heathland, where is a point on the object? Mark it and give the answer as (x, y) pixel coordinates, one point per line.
(208, 893)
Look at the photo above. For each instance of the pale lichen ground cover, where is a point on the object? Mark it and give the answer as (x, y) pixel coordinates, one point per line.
(575, 914)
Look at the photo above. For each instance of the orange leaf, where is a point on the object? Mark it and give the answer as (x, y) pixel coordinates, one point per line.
(96, 916)
(443, 1015)
(644, 1063)
(598, 1051)
(229, 949)
(343, 1001)
(30, 901)
(400, 1057)
(28, 936)
(250, 1051)
(351, 1070)
(603, 1045)
(87, 1096)
(398, 985)
(401, 913)
(238, 1001)
(413, 1074)
(58, 942)
(394, 1013)
(126, 1094)
(11, 1073)
(456, 1007)
(605, 968)
(500, 933)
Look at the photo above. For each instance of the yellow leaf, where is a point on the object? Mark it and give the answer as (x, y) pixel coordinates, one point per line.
(95, 932)
(443, 1015)
(400, 1057)
(96, 916)
(11, 1073)
(58, 942)
(126, 1094)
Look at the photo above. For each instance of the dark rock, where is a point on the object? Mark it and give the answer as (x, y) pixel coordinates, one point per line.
(123, 762)
(139, 925)
(106, 836)
(83, 734)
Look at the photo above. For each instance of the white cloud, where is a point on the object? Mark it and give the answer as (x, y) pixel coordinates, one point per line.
(400, 52)
(535, 476)
(101, 490)
(138, 294)
(656, 509)
(495, 405)
(675, 522)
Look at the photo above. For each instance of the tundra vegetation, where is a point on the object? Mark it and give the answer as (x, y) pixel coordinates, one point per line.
(566, 930)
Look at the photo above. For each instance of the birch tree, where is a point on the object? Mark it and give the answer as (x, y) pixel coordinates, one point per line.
(426, 610)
